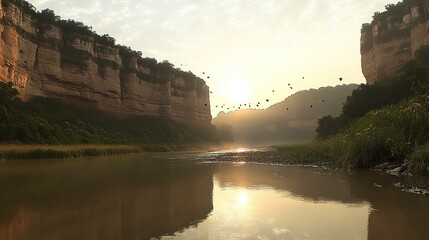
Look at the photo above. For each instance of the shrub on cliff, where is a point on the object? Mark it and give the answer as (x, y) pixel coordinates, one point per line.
(422, 55)
(48, 16)
(22, 4)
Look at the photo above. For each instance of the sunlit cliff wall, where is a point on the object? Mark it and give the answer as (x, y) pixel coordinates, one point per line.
(393, 38)
(44, 60)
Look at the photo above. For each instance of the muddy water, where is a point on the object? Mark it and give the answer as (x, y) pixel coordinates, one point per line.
(193, 196)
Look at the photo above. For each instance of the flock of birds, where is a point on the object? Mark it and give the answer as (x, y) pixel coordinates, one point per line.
(249, 105)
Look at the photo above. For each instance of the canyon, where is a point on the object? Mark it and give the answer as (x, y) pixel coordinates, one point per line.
(44, 60)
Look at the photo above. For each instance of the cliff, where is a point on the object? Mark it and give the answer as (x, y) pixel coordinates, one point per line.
(392, 38)
(66, 60)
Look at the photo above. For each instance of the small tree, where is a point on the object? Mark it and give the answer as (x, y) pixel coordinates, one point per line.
(328, 126)
(48, 16)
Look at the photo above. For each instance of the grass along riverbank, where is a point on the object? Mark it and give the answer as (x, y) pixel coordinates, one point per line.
(10, 152)
(19, 152)
(394, 134)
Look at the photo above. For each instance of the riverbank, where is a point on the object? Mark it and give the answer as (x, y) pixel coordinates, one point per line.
(19, 152)
(394, 136)
(22, 152)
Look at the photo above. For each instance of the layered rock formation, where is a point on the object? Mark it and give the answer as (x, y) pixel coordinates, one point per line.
(392, 39)
(43, 60)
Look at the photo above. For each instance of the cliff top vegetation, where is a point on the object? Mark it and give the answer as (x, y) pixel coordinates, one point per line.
(396, 12)
(72, 28)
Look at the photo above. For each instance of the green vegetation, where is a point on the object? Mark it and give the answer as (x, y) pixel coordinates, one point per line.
(390, 22)
(49, 121)
(385, 122)
(390, 134)
(412, 80)
(63, 151)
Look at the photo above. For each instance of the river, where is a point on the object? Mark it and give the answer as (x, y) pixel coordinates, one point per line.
(194, 196)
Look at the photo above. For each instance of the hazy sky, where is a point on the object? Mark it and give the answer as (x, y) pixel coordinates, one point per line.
(253, 45)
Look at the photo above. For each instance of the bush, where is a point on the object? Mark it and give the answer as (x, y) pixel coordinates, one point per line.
(419, 159)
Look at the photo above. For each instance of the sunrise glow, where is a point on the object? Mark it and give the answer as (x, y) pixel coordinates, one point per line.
(238, 91)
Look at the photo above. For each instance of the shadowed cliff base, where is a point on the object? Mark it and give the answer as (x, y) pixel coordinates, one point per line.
(46, 121)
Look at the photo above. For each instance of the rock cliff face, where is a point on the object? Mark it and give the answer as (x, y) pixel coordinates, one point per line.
(43, 60)
(393, 38)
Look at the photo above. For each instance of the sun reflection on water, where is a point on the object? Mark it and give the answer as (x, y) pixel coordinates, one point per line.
(242, 198)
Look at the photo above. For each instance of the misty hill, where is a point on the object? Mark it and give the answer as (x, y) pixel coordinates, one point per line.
(290, 121)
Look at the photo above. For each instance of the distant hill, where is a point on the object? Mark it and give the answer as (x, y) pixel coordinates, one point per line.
(290, 121)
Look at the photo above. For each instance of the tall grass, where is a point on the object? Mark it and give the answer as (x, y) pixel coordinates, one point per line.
(390, 134)
(8, 152)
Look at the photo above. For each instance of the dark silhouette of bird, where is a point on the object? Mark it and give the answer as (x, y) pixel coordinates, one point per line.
(268, 100)
(222, 107)
(302, 77)
(291, 87)
(245, 105)
(273, 90)
(287, 109)
(208, 76)
(227, 108)
(211, 92)
(216, 106)
(204, 73)
(311, 106)
(323, 100)
(205, 104)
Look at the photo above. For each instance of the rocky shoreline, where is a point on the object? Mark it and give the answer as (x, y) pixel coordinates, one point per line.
(399, 171)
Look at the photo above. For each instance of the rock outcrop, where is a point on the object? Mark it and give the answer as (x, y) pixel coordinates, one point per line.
(392, 39)
(42, 59)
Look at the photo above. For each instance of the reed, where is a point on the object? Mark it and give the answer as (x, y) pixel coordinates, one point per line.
(8, 152)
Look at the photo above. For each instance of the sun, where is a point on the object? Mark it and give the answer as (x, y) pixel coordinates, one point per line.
(238, 91)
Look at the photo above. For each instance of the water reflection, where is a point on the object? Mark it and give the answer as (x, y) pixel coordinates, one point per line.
(127, 198)
(185, 196)
(254, 201)
(395, 215)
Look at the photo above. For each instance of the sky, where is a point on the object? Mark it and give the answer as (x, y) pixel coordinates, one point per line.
(248, 48)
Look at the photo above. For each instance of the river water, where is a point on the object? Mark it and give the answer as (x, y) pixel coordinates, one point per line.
(194, 196)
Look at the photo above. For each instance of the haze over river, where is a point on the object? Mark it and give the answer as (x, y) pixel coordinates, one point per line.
(196, 196)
